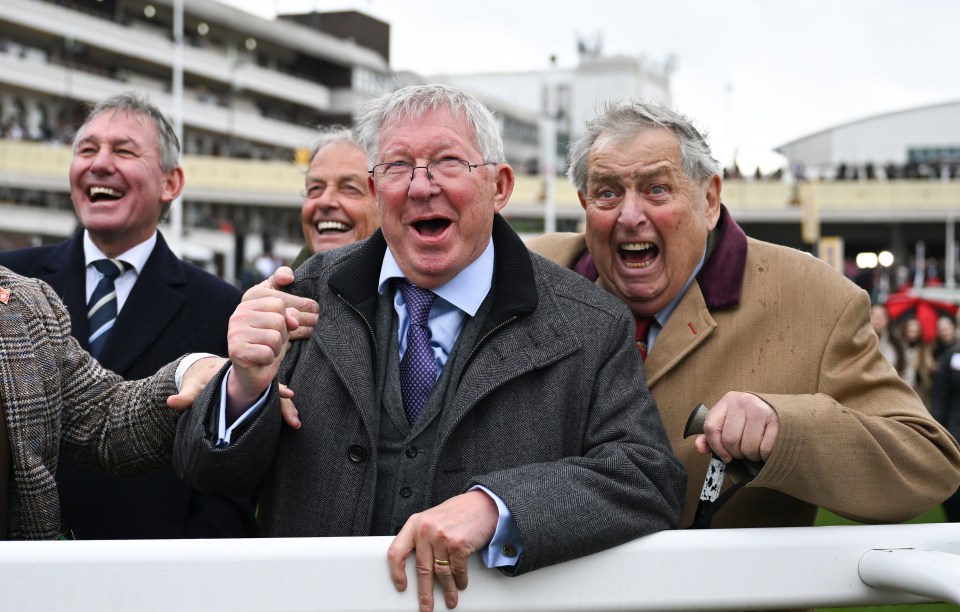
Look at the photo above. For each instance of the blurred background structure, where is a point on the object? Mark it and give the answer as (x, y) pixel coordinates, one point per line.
(877, 197)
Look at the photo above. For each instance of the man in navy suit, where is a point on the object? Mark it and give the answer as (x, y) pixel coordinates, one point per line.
(124, 175)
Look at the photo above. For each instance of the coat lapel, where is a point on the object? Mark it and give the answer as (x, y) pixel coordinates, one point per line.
(156, 298)
(354, 365)
(355, 282)
(689, 326)
(510, 353)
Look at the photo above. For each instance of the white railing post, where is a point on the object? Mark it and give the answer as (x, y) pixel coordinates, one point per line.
(927, 573)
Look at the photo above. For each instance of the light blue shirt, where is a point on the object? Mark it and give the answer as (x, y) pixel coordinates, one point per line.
(460, 296)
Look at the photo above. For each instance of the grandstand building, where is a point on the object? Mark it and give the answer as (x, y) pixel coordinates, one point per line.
(254, 91)
(889, 181)
(922, 142)
(574, 95)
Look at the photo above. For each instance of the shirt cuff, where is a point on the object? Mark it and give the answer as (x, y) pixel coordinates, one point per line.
(504, 548)
(225, 433)
(185, 364)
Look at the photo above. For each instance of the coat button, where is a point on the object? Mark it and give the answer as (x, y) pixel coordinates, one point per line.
(357, 453)
(509, 551)
(406, 491)
(412, 452)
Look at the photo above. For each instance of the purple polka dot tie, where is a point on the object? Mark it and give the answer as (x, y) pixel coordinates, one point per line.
(418, 368)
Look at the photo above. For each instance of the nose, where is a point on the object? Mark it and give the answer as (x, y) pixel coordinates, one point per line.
(421, 184)
(632, 211)
(327, 197)
(102, 162)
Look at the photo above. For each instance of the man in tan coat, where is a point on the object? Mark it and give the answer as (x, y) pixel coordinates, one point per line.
(775, 341)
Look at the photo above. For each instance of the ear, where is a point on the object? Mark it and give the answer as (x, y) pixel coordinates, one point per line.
(172, 185)
(582, 198)
(712, 212)
(504, 185)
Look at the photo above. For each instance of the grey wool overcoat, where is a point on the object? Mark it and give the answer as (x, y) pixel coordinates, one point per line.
(550, 412)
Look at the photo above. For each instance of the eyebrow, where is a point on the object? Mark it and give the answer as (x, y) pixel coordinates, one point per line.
(658, 169)
(353, 176)
(126, 140)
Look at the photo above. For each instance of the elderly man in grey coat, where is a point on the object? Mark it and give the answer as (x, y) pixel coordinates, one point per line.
(458, 392)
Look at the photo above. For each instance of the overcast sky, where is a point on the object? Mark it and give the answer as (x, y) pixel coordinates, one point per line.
(755, 74)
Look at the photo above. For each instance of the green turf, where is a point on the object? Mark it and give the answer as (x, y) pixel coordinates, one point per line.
(932, 516)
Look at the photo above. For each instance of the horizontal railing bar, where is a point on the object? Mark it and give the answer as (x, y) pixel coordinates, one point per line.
(677, 570)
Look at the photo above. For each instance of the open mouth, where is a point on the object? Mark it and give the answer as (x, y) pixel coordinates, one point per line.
(333, 227)
(100, 194)
(638, 255)
(431, 228)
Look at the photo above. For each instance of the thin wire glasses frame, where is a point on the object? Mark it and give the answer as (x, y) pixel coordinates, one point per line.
(399, 175)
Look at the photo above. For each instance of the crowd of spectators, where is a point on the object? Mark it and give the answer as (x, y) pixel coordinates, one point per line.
(933, 169)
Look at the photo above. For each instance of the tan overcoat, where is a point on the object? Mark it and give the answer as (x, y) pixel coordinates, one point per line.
(853, 438)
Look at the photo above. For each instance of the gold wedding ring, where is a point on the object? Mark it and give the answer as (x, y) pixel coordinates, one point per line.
(441, 562)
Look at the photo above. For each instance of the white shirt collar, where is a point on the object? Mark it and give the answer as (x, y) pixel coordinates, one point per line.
(136, 257)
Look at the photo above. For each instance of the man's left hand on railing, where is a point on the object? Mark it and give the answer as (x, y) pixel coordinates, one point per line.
(443, 538)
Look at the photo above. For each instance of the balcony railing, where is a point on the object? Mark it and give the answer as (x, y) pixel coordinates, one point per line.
(276, 183)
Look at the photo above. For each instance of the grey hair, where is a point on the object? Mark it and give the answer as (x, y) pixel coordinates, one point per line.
(331, 135)
(136, 103)
(628, 117)
(414, 101)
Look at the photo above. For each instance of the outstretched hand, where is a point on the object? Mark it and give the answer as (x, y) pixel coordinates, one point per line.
(195, 379)
(202, 372)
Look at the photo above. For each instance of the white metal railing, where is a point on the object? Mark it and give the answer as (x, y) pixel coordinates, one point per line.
(678, 570)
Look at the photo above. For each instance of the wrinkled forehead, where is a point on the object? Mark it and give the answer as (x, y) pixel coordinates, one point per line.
(338, 150)
(636, 152)
(631, 138)
(129, 124)
(455, 119)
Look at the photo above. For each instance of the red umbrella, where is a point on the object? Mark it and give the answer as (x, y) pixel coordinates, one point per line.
(903, 306)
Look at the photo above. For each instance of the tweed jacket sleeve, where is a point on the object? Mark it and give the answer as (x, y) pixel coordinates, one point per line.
(56, 397)
(123, 427)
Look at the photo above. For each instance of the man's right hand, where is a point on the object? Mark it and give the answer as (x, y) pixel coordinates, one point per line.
(303, 308)
(739, 426)
(256, 341)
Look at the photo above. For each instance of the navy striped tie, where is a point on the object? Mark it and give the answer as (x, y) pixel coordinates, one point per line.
(102, 309)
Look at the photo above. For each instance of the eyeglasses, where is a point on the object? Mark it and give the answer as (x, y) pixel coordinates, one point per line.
(397, 176)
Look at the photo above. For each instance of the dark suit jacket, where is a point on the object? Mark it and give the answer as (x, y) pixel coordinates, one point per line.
(174, 308)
